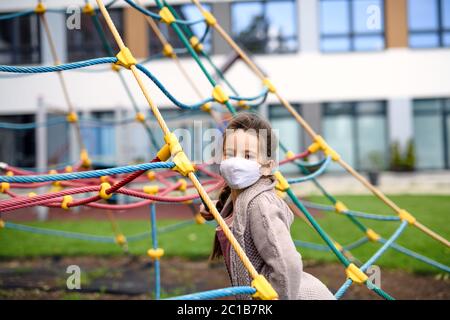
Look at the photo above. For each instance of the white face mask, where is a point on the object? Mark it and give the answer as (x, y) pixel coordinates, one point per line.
(240, 173)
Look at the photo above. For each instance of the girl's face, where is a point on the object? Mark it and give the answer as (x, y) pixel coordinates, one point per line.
(245, 144)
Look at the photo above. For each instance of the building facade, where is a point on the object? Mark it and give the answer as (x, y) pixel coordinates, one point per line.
(372, 76)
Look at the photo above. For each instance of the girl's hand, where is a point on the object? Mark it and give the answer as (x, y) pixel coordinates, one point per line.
(204, 211)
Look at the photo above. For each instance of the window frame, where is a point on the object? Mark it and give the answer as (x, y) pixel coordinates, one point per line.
(295, 36)
(15, 52)
(443, 112)
(156, 49)
(439, 31)
(90, 50)
(355, 114)
(351, 35)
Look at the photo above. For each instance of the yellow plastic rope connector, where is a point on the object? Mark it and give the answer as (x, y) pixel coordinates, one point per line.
(282, 183)
(289, 154)
(242, 104)
(196, 44)
(115, 67)
(269, 85)
(88, 9)
(164, 153)
(372, 235)
(68, 169)
(9, 173)
(199, 219)
(320, 144)
(151, 175)
(166, 16)
(406, 216)
(168, 50)
(340, 207)
(4, 186)
(102, 193)
(264, 290)
(183, 185)
(153, 189)
(65, 202)
(40, 8)
(140, 117)
(155, 254)
(2, 224)
(32, 194)
(206, 107)
(355, 274)
(182, 163)
(338, 246)
(125, 58)
(84, 157)
(72, 117)
(209, 18)
(219, 95)
(120, 239)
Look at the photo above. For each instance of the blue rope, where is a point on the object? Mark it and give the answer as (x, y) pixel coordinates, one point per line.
(16, 14)
(218, 293)
(371, 261)
(418, 256)
(31, 125)
(87, 174)
(85, 236)
(61, 67)
(263, 93)
(65, 234)
(385, 246)
(321, 247)
(318, 172)
(168, 94)
(155, 246)
(351, 212)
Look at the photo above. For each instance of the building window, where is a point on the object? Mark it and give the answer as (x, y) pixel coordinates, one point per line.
(266, 26)
(186, 12)
(20, 40)
(18, 146)
(358, 131)
(100, 138)
(86, 43)
(289, 132)
(429, 23)
(352, 25)
(432, 133)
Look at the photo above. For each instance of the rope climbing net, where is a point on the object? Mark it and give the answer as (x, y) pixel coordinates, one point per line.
(69, 183)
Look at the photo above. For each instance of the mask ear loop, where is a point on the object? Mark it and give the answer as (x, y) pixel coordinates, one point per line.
(266, 165)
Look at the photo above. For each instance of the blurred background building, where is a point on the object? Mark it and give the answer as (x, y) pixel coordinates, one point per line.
(373, 76)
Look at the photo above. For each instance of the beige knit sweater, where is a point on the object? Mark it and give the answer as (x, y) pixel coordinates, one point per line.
(261, 225)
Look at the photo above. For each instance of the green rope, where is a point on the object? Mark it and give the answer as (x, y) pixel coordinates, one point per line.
(318, 228)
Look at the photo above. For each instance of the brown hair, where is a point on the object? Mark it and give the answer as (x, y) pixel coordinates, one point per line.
(244, 121)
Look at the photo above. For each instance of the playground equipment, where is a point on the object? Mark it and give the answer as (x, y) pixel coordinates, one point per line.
(73, 180)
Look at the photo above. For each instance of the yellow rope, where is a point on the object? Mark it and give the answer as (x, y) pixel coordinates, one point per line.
(248, 265)
(164, 42)
(310, 131)
(56, 61)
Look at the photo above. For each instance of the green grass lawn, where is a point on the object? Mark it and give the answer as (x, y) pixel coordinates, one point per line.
(194, 241)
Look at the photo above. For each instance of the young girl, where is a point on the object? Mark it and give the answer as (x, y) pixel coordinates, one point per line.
(258, 218)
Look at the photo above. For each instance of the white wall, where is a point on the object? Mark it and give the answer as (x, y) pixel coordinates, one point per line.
(387, 75)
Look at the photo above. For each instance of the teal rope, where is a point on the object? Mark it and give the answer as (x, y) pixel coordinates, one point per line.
(61, 67)
(87, 174)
